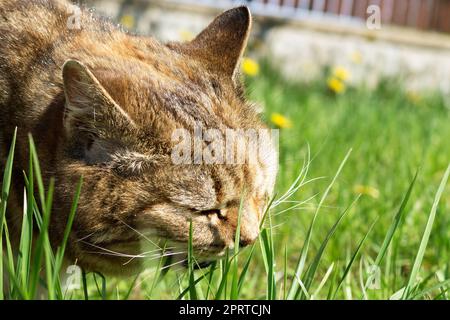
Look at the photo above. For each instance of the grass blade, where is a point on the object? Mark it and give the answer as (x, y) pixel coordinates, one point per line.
(235, 268)
(314, 265)
(426, 236)
(6, 184)
(245, 268)
(225, 263)
(399, 217)
(397, 220)
(323, 281)
(353, 258)
(293, 291)
(61, 250)
(192, 283)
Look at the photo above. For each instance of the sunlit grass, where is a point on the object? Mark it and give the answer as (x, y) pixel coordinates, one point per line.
(322, 238)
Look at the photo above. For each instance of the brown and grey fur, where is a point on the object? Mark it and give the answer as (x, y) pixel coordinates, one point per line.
(102, 104)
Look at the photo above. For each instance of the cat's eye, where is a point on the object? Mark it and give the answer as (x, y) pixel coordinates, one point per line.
(219, 213)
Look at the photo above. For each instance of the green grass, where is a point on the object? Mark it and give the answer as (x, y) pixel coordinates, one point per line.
(362, 199)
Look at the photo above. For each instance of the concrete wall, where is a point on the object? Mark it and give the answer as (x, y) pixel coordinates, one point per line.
(301, 50)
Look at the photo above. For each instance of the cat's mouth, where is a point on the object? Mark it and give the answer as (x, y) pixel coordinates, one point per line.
(173, 251)
(130, 259)
(138, 250)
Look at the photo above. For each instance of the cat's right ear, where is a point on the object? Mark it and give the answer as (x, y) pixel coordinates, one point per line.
(222, 43)
(89, 107)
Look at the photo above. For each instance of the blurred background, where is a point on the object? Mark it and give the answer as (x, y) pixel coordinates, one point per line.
(373, 39)
(333, 76)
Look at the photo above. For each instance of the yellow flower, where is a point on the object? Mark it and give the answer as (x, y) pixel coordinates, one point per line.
(414, 97)
(341, 73)
(127, 21)
(250, 67)
(186, 35)
(336, 85)
(356, 57)
(280, 121)
(367, 190)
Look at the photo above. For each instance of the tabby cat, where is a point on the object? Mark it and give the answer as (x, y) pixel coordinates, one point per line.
(103, 104)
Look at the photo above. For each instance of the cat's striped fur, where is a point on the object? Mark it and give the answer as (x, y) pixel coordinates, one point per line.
(103, 104)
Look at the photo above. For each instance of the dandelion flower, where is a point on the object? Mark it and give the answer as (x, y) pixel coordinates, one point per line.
(341, 73)
(127, 21)
(336, 85)
(414, 97)
(367, 191)
(250, 67)
(280, 121)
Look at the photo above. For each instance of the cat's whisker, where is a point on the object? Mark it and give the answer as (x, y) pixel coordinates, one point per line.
(132, 257)
(144, 255)
(121, 143)
(140, 234)
(126, 255)
(173, 264)
(120, 254)
(85, 237)
(157, 256)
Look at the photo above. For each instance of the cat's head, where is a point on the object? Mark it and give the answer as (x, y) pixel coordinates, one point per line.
(132, 130)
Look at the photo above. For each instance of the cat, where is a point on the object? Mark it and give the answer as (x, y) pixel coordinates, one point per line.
(103, 104)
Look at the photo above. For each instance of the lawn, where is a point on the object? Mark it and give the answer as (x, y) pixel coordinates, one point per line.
(369, 216)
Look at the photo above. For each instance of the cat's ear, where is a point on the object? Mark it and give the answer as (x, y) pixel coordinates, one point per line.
(222, 43)
(89, 107)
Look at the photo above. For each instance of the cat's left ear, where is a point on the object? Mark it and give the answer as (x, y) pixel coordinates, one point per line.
(222, 43)
(89, 107)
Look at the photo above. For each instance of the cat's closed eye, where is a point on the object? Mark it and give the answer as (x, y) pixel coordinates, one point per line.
(214, 212)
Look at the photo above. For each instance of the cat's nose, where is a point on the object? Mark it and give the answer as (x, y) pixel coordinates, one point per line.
(246, 240)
